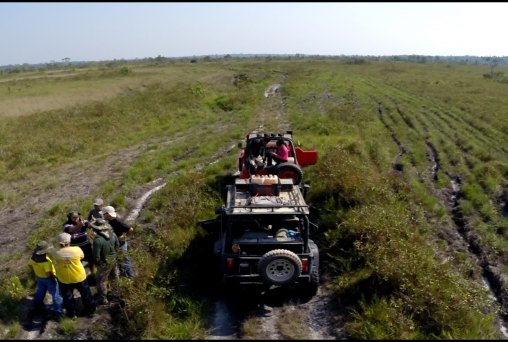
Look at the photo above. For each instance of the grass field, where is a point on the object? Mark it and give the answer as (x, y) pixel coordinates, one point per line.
(410, 188)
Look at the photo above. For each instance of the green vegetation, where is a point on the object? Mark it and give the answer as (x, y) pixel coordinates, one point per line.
(393, 139)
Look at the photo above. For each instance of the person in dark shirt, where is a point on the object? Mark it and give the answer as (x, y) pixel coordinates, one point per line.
(255, 146)
(104, 248)
(77, 228)
(254, 155)
(122, 231)
(96, 212)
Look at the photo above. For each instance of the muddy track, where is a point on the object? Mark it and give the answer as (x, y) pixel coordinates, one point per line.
(433, 160)
(270, 310)
(403, 150)
(492, 277)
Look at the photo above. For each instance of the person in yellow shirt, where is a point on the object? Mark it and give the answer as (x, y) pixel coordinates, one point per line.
(46, 279)
(71, 275)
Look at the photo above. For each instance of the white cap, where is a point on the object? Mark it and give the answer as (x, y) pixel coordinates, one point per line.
(109, 210)
(98, 201)
(64, 238)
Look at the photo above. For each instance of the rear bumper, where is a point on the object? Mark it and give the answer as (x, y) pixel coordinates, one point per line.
(255, 279)
(244, 270)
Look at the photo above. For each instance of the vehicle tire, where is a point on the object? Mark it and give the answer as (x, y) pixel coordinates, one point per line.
(315, 252)
(314, 279)
(279, 267)
(289, 170)
(310, 288)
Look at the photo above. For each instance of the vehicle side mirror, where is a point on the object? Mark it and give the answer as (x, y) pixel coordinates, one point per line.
(210, 226)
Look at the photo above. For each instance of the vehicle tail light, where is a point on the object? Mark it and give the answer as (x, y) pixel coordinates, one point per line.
(229, 263)
(305, 265)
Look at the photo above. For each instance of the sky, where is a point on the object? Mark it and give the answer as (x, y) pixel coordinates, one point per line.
(96, 31)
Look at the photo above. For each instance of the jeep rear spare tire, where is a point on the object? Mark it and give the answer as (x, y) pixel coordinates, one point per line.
(279, 267)
(289, 170)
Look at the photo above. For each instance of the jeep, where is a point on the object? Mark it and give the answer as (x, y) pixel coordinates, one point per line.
(262, 234)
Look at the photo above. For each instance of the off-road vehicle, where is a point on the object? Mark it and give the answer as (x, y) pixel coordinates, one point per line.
(254, 156)
(263, 234)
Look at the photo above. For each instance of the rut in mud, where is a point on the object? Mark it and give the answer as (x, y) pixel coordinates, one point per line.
(276, 313)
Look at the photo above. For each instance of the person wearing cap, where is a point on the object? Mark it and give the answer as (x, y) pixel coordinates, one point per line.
(71, 275)
(96, 212)
(104, 248)
(46, 279)
(122, 231)
(77, 227)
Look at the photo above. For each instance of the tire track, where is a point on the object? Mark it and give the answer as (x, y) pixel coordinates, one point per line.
(491, 276)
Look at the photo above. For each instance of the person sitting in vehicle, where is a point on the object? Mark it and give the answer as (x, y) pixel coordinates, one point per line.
(253, 155)
(255, 146)
(282, 154)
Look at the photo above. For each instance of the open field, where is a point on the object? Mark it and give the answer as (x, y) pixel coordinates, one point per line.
(410, 189)
(43, 91)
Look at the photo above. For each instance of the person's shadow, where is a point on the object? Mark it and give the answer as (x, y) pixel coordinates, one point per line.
(31, 321)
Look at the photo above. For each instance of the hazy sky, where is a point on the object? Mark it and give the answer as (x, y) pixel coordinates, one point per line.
(93, 31)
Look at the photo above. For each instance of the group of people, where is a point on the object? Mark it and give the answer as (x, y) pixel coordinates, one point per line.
(99, 242)
(254, 159)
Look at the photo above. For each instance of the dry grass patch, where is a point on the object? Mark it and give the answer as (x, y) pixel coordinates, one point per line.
(74, 95)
